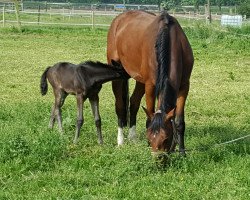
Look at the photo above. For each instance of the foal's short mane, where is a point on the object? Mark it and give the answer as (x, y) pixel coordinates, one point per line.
(100, 65)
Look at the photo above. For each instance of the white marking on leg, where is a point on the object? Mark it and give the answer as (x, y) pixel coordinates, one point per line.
(120, 137)
(132, 133)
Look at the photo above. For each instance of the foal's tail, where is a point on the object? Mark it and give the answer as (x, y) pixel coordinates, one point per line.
(44, 83)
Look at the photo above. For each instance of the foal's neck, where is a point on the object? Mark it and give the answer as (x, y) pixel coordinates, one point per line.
(101, 74)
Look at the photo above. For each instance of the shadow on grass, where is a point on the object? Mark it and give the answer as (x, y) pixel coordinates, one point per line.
(218, 137)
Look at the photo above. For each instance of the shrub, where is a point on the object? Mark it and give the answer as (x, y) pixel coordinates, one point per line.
(244, 9)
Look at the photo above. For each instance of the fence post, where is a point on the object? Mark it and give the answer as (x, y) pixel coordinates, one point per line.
(4, 15)
(208, 13)
(63, 13)
(93, 20)
(38, 17)
(17, 14)
(50, 12)
(46, 6)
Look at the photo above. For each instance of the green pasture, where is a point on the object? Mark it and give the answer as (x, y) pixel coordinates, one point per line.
(38, 163)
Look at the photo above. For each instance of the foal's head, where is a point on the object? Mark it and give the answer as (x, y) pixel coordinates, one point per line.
(160, 132)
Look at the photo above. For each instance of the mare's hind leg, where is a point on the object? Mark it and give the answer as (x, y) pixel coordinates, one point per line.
(79, 99)
(120, 90)
(94, 101)
(179, 117)
(135, 101)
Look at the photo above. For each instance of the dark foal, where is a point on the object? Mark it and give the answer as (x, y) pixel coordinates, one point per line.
(85, 81)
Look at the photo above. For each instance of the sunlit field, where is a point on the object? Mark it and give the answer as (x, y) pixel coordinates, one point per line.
(38, 163)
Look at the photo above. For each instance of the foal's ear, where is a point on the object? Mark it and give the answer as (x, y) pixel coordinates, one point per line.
(147, 113)
(170, 115)
(115, 63)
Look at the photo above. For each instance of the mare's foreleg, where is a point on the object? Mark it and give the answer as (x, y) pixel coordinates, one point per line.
(179, 117)
(94, 101)
(150, 101)
(120, 90)
(80, 120)
(135, 101)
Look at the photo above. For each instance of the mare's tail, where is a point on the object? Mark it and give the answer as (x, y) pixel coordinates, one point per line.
(44, 83)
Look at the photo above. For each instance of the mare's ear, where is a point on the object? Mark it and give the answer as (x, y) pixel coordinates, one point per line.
(170, 115)
(147, 113)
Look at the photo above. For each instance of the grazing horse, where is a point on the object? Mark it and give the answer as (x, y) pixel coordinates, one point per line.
(85, 81)
(154, 51)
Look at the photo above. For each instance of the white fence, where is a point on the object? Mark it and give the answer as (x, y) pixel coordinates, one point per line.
(68, 17)
(76, 17)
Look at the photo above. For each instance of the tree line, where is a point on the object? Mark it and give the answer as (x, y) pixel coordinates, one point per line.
(243, 6)
(174, 2)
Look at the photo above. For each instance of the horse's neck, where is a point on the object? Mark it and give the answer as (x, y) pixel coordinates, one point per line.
(101, 75)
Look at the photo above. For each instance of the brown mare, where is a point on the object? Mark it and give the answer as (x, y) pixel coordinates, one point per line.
(154, 51)
(85, 81)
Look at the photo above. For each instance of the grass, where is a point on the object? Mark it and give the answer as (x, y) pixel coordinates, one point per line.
(38, 163)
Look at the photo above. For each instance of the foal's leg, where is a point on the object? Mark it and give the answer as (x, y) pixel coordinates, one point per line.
(120, 90)
(79, 99)
(179, 118)
(135, 101)
(56, 110)
(52, 117)
(94, 101)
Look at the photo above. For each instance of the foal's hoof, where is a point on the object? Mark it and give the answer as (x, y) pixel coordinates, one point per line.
(75, 141)
(182, 153)
(100, 142)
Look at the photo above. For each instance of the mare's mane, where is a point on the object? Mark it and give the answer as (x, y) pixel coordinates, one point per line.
(163, 88)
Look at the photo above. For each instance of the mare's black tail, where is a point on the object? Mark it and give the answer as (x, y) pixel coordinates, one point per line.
(163, 54)
(44, 83)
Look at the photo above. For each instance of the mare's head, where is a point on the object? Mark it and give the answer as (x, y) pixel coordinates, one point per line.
(160, 132)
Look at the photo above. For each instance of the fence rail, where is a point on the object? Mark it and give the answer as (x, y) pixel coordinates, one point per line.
(67, 17)
(71, 17)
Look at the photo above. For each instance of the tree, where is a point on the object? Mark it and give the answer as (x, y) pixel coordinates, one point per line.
(244, 9)
(219, 4)
(170, 4)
